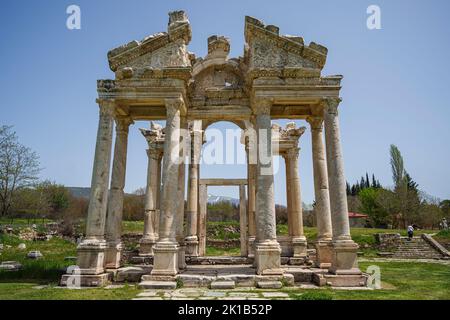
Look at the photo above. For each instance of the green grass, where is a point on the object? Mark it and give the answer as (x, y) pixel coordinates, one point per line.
(214, 251)
(25, 291)
(400, 281)
(48, 268)
(442, 235)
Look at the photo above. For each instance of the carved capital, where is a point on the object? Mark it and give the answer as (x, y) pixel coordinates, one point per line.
(107, 107)
(316, 123)
(331, 105)
(292, 154)
(123, 124)
(262, 106)
(173, 105)
(153, 153)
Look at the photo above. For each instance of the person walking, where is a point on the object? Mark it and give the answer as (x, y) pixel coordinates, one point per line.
(410, 232)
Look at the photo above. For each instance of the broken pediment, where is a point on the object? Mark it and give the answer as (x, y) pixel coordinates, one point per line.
(267, 49)
(158, 51)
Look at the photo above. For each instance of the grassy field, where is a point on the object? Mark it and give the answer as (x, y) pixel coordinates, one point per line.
(38, 278)
(400, 281)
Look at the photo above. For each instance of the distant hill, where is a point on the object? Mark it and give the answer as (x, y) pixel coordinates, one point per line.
(85, 192)
(215, 199)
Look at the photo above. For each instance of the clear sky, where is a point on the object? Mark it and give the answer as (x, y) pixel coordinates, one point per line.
(395, 87)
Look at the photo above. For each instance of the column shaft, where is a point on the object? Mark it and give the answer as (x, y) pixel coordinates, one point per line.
(322, 208)
(115, 202)
(243, 221)
(267, 257)
(166, 248)
(203, 208)
(91, 249)
(344, 256)
(299, 244)
(192, 202)
(151, 207)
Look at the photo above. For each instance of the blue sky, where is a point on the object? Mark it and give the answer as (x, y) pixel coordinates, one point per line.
(395, 87)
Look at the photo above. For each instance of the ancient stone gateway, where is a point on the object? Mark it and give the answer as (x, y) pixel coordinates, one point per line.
(278, 77)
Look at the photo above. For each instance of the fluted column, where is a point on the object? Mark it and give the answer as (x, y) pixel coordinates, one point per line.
(91, 250)
(324, 250)
(191, 240)
(344, 257)
(267, 255)
(116, 195)
(150, 235)
(166, 248)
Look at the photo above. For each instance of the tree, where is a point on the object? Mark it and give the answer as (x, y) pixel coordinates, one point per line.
(397, 166)
(19, 167)
(371, 207)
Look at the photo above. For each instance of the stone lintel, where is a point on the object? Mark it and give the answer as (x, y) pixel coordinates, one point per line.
(223, 182)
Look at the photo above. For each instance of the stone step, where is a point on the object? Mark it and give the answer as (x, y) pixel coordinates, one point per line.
(223, 285)
(166, 285)
(269, 284)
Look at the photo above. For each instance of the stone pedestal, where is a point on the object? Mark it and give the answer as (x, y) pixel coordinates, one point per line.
(166, 259)
(344, 259)
(251, 246)
(324, 253)
(113, 255)
(268, 258)
(191, 244)
(299, 247)
(146, 247)
(181, 256)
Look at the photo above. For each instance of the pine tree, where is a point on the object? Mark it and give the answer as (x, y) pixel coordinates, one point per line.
(367, 181)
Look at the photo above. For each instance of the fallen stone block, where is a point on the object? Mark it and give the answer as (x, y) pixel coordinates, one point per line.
(223, 285)
(269, 284)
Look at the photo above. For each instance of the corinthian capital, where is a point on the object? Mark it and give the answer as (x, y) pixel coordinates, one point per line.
(331, 104)
(123, 124)
(107, 107)
(316, 123)
(153, 153)
(173, 105)
(292, 154)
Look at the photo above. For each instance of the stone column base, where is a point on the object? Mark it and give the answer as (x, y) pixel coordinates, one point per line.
(181, 256)
(267, 258)
(146, 247)
(91, 256)
(165, 259)
(251, 247)
(345, 259)
(89, 271)
(299, 247)
(191, 246)
(113, 254)
(324, 253)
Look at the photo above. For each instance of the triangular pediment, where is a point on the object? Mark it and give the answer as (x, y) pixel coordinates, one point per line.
(158, 51)
(267, 49)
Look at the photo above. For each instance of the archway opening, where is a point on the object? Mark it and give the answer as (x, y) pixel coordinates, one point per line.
(223, 158)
